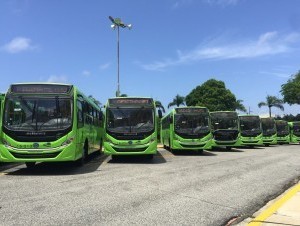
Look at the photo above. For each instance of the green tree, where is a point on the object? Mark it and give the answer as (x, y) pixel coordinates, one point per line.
(213, 95)
(291, 90)
(177, 101)
(239, 106)
(97, 102)
(272, 101)
(159, 105)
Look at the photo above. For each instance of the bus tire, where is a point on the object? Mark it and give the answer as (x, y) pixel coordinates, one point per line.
(114, 157)
(80, 162)
(267, 145)
(101, 144)
(228, 148)
(200, 151)
(30, 165)
(150, 156)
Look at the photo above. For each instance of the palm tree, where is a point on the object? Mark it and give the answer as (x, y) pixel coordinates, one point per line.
(97, 102)
(239, 106)
(178, 100)
(272, 101)
(159, 105)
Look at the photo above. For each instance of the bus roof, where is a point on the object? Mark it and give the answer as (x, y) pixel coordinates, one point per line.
(40, 88)
(130, 101)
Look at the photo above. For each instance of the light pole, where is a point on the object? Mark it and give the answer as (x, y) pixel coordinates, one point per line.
(117, 23)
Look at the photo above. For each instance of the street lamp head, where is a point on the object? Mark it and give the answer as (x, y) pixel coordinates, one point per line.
(113, 26)
(129, 26)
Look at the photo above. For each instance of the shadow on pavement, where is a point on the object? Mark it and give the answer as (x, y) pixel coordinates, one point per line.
(223, 149)
(192, 153)
(252, 147)
(138, 159)
(8, 165)
(94, 161)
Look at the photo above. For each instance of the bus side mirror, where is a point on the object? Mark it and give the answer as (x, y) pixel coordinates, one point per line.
(170, 119)
(101, 116)
(159, 113)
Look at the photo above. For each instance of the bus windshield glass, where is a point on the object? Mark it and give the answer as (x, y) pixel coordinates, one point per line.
(250, 123)
(268, 125)
(130, 120)
(224, 120)
(28, 113)
(191, 123)
(282, 127)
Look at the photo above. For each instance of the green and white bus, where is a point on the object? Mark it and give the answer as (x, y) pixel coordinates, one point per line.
(49, 122)
(251, 130)
(269, 131)
(283, 132)
(225, 129)
(294, 132)
(186, 128)
(130, 126)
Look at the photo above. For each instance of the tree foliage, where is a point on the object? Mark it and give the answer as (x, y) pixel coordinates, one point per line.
(97, 102)
(159, 105)
(272, 101)
(291, 90)
(213, 95)
(289, 118)
(177, 101)
(239, 106)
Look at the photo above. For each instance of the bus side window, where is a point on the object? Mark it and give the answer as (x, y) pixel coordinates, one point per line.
(80, 121)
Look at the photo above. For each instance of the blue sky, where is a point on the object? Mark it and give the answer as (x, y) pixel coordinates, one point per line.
(175, 45)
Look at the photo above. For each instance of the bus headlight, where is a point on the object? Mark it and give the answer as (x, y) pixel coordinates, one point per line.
(6, 143)
(68, 141)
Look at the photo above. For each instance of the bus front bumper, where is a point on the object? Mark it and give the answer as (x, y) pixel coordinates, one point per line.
(141, 149)
(62, 153)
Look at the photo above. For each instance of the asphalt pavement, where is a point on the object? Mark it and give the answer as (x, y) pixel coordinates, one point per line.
(183, 189)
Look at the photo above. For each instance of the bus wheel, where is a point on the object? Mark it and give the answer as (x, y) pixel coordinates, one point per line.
(267, 145)
(82, 160)
(101, 143)
(114, 157)
(228, 148)
(200, 151)
(149, 157)
(30, 165)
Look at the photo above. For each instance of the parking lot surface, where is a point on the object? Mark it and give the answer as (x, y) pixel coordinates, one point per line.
(182, 189)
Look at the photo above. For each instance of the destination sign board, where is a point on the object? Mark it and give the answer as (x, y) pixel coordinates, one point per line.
(40, 88)
(131, 101)
(191, 110)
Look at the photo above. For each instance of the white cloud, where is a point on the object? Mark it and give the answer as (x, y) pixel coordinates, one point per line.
(57, 79)
(277, 74)
(86, 73)
(18, 44)
(269, 43)
(104, 66)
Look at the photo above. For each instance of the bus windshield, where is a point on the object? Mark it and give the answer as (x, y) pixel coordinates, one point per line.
(224, 120)
(130, 120)
(250, 123)
(32, 113)
(192, 123)
(282, 127)
(268, 125)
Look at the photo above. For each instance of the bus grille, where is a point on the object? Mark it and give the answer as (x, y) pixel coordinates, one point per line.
(250, 141)
(282, 134)
(226, 135)
(192, 146)
(34, 155)
(250, 133)
(192, 135)
(268, 134)
(130, 149)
